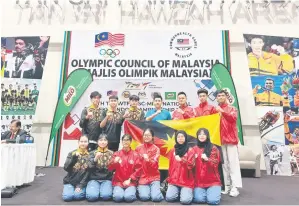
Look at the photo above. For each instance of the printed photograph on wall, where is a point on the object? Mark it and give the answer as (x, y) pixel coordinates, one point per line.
(273, 90)
(23, 57)
(291, 125)
(22, 66)
(294, 154)
(273, 62)
(270, 121)
(277, 159)
(19, 96)
(272, 55)
(26, 122)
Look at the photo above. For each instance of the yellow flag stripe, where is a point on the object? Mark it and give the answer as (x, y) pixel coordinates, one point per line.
(190, 126)
(163, 161)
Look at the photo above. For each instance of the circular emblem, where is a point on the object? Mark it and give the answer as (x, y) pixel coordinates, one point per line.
(126, 94)
(183, 44)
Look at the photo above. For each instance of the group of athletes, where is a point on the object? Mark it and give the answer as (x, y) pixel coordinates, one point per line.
(88, 168)
(18, 99)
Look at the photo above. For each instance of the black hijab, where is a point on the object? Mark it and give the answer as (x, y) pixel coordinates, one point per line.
(181, 149)
(207, 145)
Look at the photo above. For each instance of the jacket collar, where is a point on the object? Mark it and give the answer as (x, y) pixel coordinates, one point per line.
(223, 105)
(93, 107)
(183, 106)
(126, 151)
(203, 104)
(103, 150)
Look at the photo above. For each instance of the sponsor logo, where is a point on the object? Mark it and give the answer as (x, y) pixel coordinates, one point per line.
(170, 95)
(183, 44)
(69, 95)
(229, 96)
(153, 94)
(112, 93)
(136, 86)
(126, 94)
(142, 95)
(131, 162)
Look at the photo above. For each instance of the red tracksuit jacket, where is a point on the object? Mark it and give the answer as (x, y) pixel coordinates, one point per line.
(228, 125)
(206, 172)
(204, 109)
(127, 168)
(188, 113)
(149, 170)
(180, 173)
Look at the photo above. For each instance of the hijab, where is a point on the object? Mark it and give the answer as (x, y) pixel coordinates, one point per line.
(207, 145)
(181, 149)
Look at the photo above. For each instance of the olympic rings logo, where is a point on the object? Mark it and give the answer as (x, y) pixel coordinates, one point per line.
(109, 53)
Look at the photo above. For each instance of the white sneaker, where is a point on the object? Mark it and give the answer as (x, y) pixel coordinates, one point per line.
(234, 192)
(226, 190)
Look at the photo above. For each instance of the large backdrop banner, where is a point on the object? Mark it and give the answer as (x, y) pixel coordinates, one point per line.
(273, 63)
(141, 63)
(22, 65)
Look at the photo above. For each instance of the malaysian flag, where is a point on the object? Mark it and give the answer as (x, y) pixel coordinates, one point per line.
(183, 41)
(106, 38)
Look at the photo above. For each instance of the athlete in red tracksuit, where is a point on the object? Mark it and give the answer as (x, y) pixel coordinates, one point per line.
(149, 181)
(181, 177)
(229, 140)
(126, 165)
(204, 108)
(207, 179)
(184, 111)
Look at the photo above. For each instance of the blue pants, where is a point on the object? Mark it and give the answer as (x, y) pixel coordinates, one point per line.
(210, 195)
(127, 194)
(69, 193)
(151, 191)
(174, 192)
(98, 188)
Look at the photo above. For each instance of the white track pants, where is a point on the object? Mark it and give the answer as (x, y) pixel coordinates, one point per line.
(231, 166)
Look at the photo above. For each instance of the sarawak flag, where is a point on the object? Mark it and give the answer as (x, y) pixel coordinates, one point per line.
(165, 132)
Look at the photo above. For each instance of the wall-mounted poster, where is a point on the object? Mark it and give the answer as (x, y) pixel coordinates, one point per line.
(273, 62)
(22, 66)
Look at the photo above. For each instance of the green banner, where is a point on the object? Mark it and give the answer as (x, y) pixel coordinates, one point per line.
(75, 85)
(223, 80)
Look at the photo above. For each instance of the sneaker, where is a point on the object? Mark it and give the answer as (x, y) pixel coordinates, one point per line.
(234, 192)
(226, 190)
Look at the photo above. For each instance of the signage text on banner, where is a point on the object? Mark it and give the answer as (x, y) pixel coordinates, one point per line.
(142, 63)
